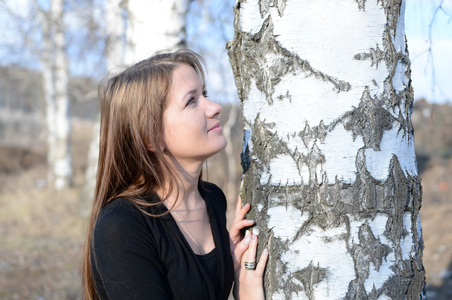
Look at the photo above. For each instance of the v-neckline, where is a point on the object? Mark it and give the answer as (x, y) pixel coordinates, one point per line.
(216, 233)
(212, 223)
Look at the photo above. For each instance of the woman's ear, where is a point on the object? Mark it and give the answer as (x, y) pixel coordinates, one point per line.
(151, 146)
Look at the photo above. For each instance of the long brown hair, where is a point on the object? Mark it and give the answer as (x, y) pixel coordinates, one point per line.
(131, 164)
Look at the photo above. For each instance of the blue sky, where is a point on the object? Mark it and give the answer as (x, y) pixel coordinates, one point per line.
(434, 84)
(431, 71)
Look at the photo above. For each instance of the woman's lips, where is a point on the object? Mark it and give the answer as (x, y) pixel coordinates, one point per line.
(216, 127)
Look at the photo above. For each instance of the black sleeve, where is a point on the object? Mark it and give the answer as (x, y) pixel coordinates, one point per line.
(124, 255)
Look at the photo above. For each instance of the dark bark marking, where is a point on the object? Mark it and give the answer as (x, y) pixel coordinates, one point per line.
(245, 159)
(264, 6)
(375, 55)
(369, 120)
(361, 4)
(311, 276)
(374, 249)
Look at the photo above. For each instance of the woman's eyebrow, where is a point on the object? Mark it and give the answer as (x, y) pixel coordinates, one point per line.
(191, 92)
(195, 90)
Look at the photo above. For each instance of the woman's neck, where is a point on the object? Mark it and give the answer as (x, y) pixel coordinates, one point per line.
(186, 195)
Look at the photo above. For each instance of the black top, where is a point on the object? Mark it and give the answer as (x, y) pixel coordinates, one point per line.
(136, 256)
(209, 262)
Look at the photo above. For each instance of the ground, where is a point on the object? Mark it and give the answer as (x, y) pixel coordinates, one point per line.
(436, 214)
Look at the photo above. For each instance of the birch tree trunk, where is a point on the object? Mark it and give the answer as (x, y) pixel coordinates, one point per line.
(157, 25)
(55, 81)
(115, 52)
(328, 156)
(48, 88)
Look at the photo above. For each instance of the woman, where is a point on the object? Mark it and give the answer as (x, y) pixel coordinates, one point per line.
(157, 231)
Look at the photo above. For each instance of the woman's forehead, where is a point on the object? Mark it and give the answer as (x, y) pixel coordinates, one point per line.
(185, 77)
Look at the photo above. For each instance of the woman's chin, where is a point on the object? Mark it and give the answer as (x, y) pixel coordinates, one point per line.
(220, 147)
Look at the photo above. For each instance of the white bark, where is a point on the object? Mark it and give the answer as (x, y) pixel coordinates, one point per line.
(157, 25)
(62, 167)
(55, 82)
(48, 88)
(331, 173)
(115, 34)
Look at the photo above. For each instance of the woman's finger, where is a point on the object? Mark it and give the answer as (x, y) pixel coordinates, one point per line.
(250, 278)
(238, 207)
(240, 249)
(262, 262)
(240, 214)
(240, 222)
(250, 255)
(239, 225)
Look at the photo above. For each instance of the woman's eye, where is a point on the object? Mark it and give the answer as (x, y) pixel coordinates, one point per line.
(204, 93)
(191, 101)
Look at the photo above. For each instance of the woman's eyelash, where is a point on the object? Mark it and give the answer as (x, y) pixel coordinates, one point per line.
(193, 100)
(190, 101)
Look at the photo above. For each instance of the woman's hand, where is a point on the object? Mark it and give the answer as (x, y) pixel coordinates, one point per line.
(237, 244)
(249, 279)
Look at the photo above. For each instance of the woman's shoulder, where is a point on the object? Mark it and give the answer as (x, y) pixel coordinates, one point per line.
(118, 214)
(122, 232)
(123, 221)
(118, 208)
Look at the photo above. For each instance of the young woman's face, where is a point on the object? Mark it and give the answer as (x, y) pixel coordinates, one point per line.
(191, 128)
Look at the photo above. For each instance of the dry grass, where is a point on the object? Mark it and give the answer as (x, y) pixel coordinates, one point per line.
(41, 233)
(41, 236)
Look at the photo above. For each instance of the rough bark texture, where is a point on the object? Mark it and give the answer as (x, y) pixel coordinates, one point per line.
(328, 155)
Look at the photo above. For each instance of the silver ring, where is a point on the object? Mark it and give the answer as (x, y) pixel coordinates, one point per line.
(250, 266)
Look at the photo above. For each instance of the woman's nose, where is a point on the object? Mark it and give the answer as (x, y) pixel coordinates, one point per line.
(213, 109)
